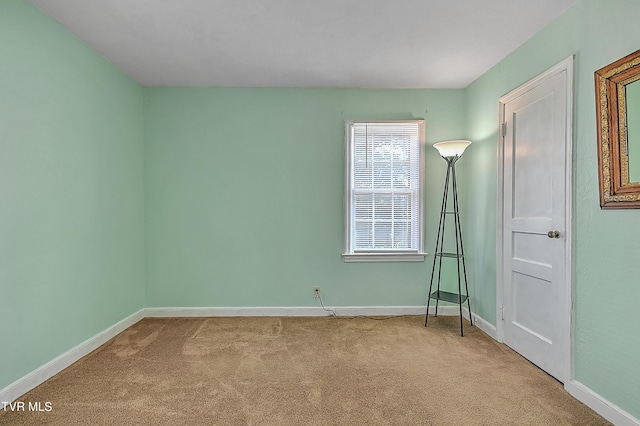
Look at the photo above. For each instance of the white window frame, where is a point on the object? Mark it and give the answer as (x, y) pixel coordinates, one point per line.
(389, 255)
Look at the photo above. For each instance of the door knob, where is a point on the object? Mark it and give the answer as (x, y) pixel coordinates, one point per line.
(553, 234)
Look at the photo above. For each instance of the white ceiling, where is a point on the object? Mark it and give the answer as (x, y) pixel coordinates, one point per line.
(304, 43)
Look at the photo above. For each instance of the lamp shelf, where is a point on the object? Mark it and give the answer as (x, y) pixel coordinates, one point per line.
(453, 255)
(447, 296)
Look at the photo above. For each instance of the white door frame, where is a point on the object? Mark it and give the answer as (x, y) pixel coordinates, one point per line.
(567, 314)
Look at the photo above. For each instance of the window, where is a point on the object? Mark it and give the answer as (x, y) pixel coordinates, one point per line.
(383, 191)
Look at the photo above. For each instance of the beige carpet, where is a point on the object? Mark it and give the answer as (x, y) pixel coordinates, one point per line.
(302, 371)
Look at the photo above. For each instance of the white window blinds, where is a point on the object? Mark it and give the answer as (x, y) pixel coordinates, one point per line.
(384, 186)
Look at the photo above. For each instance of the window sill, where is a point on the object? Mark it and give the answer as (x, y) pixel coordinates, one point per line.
(383, 257)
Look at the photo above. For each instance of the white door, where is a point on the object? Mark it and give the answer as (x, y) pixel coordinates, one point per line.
(536, 192)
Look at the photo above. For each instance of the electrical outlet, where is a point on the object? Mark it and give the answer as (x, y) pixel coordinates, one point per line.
(316, 292)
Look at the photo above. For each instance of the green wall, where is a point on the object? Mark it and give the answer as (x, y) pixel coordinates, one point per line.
(607, 243)
(71, 196)
(244, 195)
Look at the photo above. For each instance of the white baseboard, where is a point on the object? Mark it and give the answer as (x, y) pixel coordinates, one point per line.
(258, 311)
(600, 405)
(484, 325)
(287, 311)
(312, 311)
(56, 365)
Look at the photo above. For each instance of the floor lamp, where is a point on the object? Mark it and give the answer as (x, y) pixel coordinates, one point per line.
(451, 151)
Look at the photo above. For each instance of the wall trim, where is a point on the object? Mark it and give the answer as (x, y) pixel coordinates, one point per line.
(283, 311)
(600, 405)
(484, 325)
(313, 311)
(23, 385)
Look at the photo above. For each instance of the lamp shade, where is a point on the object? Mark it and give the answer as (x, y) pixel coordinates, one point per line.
(451, 148)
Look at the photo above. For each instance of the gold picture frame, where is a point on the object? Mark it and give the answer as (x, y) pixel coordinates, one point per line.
(616, 191)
